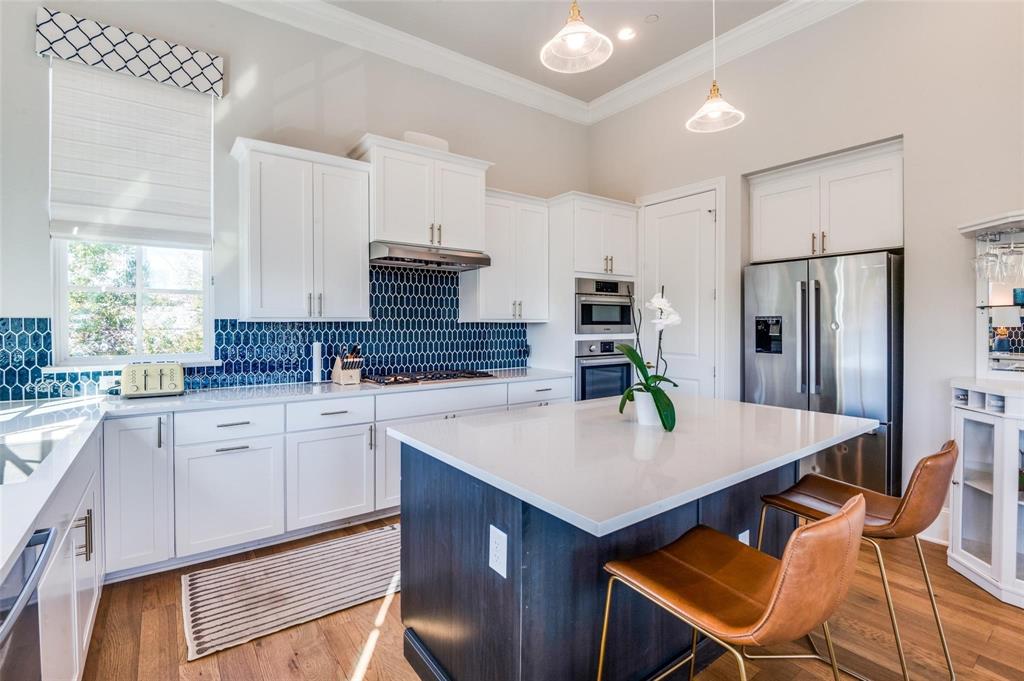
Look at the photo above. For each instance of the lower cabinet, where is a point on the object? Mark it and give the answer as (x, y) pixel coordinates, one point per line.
(329, 475)
(227, 493)
(388, 465)
(137, 479)
(69, 591)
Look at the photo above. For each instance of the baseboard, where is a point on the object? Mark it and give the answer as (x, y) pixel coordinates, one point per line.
(174, 563)
(938, 532)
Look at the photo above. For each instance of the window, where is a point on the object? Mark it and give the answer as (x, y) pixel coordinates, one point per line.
(121, 302)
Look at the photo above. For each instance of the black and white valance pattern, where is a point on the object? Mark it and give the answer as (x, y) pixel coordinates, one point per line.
(89, 42)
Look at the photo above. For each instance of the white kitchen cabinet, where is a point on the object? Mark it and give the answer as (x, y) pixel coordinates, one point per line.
(303, 233)
(58, 636)
(424, 196)
(87, 538)
(329, 475)
(846, 203)
(604, 235)
(137, 475)
(515, 286)
(227, 493)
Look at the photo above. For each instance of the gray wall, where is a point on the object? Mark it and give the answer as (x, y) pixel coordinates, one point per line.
(947, 76)
(284, 85)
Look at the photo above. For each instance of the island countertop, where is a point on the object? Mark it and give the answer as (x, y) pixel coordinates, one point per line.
(600, 471)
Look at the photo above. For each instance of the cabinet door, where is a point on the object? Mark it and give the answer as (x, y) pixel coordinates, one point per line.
(137, 470)
(784, 217)
(862, 205)
(228, 493)
(531, 258)
(329, 475)
(58, 645)
(459, 195)
(388, 464)
(87, 541)
(280, 238)
(404, 205)
(341, 233)
(497, 283)
(588, 238)
(975, 514)
(620, 238)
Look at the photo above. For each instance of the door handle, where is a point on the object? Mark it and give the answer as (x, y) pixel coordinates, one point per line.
(814, 243)
(606, 264)
(48, 538)
(373, 433)
(801, 305)
(85, 522)
(233, 424)
(439, 234)
(520, 309)
(611, 264)
(231, 449)
(543, 390)
(334, 413)
(513, 309)
(823, 235)
(159, 432)
(309, 304)
(431, 232)
(320, 304)
(813, 341)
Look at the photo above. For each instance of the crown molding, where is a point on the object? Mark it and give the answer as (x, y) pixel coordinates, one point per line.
(335, 23)
(329, 21)
(762, 30)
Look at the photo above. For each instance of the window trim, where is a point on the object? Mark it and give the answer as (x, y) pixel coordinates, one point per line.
(60, 331)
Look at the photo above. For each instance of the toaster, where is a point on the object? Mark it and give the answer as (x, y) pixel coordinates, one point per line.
(152, 379)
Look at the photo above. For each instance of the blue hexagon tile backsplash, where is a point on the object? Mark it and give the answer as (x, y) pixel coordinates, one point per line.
(414, 326)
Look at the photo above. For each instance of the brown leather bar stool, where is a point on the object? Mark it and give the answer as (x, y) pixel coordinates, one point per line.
(736, 595)
(815, 497)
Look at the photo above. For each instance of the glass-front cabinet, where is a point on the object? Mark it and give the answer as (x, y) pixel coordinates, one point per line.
(987, 493)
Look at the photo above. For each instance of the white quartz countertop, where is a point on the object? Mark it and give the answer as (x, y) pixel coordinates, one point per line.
(600, 471)
(59, 428)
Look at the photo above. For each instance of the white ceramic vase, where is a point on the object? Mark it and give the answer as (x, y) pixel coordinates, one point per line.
(646, 412)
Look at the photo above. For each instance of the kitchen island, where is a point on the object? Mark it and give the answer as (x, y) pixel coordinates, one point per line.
(508, 519)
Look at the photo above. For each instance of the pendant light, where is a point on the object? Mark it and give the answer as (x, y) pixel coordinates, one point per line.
(577, 47)
(716, 114)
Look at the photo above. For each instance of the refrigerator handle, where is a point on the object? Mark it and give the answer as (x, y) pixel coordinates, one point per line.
(801, 358)
(813, 339)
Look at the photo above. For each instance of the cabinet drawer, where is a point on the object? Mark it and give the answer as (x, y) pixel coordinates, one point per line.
(345, 411)
(534, 391)
(228, 424)
(423, 402)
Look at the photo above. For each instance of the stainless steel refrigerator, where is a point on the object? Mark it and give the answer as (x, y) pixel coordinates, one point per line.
(827, 335)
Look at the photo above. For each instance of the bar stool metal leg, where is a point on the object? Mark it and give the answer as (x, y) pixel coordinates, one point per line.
(604, 628)
(831, 651)
(935, 608)
(693, 653)
(892, 608)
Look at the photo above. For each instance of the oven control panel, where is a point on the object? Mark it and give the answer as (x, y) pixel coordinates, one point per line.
(596, 348)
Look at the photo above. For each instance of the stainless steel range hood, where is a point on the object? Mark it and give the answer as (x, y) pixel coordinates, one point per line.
(426, 257)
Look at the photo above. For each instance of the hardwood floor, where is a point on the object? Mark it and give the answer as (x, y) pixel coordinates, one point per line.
(139, 634)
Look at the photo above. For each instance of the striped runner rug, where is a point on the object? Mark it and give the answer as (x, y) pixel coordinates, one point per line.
(232, 604)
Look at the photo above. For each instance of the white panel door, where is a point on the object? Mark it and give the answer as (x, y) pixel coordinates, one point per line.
(862, 205)
(137, 473)
(497, 282)
(404, 197)
(620, 237)
(341, 234)
(459, 195)
(281, 238)
(679, 243)
(588, 238)
(532, 262)
(329, 475)
(88, 543)
(784, 217)
(58, 645)
(228, 493)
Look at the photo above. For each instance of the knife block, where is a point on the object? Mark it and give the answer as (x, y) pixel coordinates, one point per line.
(346, 376)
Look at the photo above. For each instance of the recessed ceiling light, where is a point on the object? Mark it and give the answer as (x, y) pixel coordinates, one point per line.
(626, 33)
(651, 18)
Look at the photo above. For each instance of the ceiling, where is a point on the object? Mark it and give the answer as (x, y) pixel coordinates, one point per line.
(509, 34)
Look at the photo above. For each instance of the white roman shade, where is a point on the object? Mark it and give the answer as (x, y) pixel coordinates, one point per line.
(130, 159)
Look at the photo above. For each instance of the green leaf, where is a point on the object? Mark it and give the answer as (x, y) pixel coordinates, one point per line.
(666, 410)
(626, 397)
(658, 378)
(633, 356)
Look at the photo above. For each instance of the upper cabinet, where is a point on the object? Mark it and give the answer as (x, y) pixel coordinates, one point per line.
(515, 286)
(424, 196)
(846, 203)
(303, 234)
(604, 235)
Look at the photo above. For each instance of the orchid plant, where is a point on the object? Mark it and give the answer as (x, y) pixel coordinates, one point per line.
(650, 383)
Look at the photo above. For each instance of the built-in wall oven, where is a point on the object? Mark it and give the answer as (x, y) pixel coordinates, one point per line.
(603, 307)
(601, 370)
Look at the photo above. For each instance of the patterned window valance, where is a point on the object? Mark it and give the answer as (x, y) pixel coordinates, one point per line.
(89, 42)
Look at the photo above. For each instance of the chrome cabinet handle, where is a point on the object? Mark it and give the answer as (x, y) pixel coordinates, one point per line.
(373, 433)
(309, 304)
(233, 424)
(439, 234)
(159, 432)
(606, 263)
(814, 243)
(334, 413)
(611, 264)
(232, 449)
(431, 232)
(85, 522)
(513, 309)
(520, 309)
(823, 235)
(320, 304)
(543, 390)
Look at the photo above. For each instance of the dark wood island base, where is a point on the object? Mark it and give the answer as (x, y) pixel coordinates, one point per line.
(465, 622)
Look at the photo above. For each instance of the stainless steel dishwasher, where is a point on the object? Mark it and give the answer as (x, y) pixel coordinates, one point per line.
(19, 610)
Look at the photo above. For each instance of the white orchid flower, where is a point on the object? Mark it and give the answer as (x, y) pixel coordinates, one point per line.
(670, 319)
(658, 303)
(666, 314)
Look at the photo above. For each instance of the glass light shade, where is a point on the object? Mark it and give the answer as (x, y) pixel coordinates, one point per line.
(576, 48)
(715, 115)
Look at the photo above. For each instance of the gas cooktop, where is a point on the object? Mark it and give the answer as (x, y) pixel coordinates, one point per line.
(426, 376)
